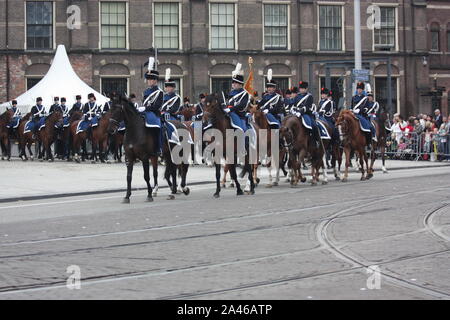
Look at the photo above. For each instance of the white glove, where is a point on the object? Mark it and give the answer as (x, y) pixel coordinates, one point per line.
(266, 111)
(227, 110)
(90, 118)
(355, 111)
(141, 109)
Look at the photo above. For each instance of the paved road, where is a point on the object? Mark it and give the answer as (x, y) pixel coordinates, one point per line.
(282, 243)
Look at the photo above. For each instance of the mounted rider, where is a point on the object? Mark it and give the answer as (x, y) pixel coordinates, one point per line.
(239, 99)
(327, 107)
(360, 108)
(375, 110)
(304, 107)
(152, 102)
(55, 106)
(272, 103)
(91, 111)
(14, 123)
(77, 106)
(289, 101)
(172, 101)
(199, 107)
(37, 116)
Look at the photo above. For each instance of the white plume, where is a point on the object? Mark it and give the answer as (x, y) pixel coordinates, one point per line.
(237, 70)
(368, 87)
(167, 74)
(151, 63)
(269, 75)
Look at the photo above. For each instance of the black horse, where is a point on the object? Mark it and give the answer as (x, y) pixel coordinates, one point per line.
(140, 142)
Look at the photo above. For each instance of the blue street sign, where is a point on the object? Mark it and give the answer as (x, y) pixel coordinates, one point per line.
(361, 75)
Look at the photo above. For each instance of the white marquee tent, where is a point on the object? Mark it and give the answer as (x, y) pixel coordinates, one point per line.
(61, 81)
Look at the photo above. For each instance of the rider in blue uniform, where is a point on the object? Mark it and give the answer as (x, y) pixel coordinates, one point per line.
(289, 101)
(14, 123)
(152, 102)
(327, 107)
(77, 106)
(91, 110)
(303, 107)
(238, 101)
(360, 108)
(37, 115)
(272, 103)
(172, 101)
(199, 107)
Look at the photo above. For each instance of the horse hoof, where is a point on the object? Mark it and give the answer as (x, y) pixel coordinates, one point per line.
(370, 176)
(93, 162)
(126, 200)
(155, 194)
(186, 191)
(149, 199)
(251, 192)
(363, 179)
(344, 180)
(216, 195)
(171, 197)
(239, 193)
(270, 185)
(231, 185)
(303, 180)
(275, 184)
(324, 183)
(258, 180)
(314, 184)
(337, 178)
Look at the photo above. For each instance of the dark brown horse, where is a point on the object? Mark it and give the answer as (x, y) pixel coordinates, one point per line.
(46, 136)
(140, 142)
(25, 139)
(5, 143)
(382, 134)
(298, 141)
(78, 140)
(353, 139)
(100, 139)
(221, 123)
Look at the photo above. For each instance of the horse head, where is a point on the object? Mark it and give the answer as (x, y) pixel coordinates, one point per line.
(346, 123)
(117, 114)
(56, 118)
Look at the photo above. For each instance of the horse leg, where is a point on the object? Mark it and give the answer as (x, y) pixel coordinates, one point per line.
(94, 151)
(226, 168)
(29, 151)
(347, 163)
(372, 161)
(184, 171)
(383, 156)
(146, 167)
(325, 173)
(362, 159)
(251, 180)
(154, 161)
(233, 174)
(217, 193)
(129, 177)
(301, 156)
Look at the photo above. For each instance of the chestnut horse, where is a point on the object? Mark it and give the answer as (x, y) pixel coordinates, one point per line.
(25, 139)
(299, 143)
(353, 139)
(214, 115)
(46, 136)
(100, 139)
(140, 142)
(5, 143)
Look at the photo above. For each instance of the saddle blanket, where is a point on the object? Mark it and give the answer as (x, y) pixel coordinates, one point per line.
(14, 123)
(84, 125)
(152, 120)
(173, 135)
(324, 135)
(237, 122)
(29, 126)
(273, 121)
(364, 123)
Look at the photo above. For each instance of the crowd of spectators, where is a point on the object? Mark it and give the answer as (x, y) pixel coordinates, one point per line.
(421, 137)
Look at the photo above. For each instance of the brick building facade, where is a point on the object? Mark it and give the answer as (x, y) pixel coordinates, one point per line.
(201, 41)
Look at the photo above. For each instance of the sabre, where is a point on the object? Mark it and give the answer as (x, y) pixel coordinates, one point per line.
(223, 97)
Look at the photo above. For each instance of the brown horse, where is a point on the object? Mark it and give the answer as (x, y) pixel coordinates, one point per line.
(382, 134)
(78, 140)
(215, 116)
(140, 142)
(5, 143)
(353, 139)
(187, 113)
(25, 139)
(298, 141)
(100, 139)
(46, 136)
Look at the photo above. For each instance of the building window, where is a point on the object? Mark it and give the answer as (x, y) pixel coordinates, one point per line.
(330, 28)
(113, 25)
(31, 82)
(219, 85)
(177, 85)
(222, 25)
(166, 17)
(385, 37)
(275, 26)
(119, 85)
(381, 92)
(435, 45)
(39, 24)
